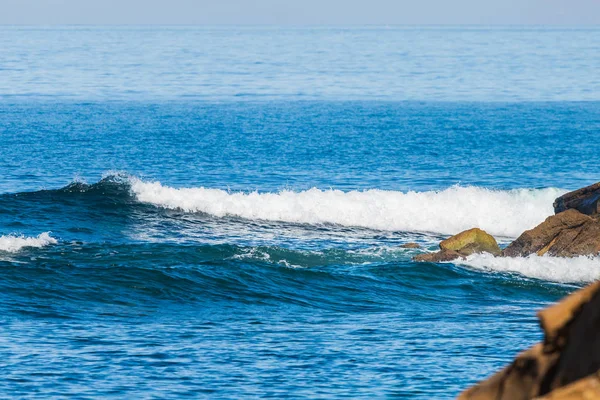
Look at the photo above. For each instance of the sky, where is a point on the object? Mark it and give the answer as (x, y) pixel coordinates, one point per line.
(300, 12)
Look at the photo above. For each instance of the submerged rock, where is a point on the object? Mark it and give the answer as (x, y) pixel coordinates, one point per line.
(461, 245)
(410, 245)
(585, 200)
(567, 234)
(560, 367)
(440, 256)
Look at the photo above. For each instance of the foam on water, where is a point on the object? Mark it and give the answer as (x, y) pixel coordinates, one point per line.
(13, 244)
(503, 213)
(581, 269)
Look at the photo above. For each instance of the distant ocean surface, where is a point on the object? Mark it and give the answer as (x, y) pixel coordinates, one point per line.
(218, 212)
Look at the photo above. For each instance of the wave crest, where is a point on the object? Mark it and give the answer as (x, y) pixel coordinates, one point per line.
(500, 212)
(12, 243)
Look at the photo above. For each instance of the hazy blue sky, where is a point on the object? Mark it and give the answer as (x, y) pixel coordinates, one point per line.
(300, 12)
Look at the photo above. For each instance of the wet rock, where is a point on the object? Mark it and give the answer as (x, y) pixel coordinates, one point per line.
(585, 200)
(410, 245)
(472, 241)
(561, 366)
(567, 234)
(461, 245)
(440, 256)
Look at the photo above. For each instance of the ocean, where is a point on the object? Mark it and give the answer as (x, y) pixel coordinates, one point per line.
(218, 212)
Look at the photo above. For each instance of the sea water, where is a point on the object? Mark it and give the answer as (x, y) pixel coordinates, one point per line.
(219, 211)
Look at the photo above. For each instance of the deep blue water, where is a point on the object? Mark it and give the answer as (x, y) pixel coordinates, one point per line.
(218, 212)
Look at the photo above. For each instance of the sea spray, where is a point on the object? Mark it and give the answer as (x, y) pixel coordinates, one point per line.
(13, 243)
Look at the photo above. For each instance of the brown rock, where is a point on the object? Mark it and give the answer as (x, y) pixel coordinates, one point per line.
(572, 328)
(560, 366)
(581, 242)
(411, 245)
(586, 388)
(567, 234)
(519, 381)
(585, 200)
(440, 256)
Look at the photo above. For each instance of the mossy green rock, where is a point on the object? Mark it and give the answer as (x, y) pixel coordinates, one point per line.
(459, 246)
(472, 241)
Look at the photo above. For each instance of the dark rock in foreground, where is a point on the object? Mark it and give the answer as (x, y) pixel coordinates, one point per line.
(585, 200)
(584, 389)
(567, 234)
(459, 246)
(564, 366)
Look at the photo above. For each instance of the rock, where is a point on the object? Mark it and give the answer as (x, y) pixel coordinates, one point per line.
(586, 388)
(567, 234)
(560, 367)
(440, 256)
(472, 241)
(410, 245)
(585, 200)
(461, 245)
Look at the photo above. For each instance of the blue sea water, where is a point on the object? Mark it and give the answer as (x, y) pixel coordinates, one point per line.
(219, 212)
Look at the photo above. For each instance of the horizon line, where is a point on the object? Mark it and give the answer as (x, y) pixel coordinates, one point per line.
(382, 25)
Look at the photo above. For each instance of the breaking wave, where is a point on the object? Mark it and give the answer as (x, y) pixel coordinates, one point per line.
(580, 269)
(12, 243)
(500, 212)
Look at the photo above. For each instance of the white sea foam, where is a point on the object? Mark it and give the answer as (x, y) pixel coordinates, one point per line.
(13, 244)
(503, 213)
(557, 269)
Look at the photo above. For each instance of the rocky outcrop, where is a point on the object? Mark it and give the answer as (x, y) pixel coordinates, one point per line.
(567, 234)
(573, 231)
(560, 367)
(461, 245)
(585, 200)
